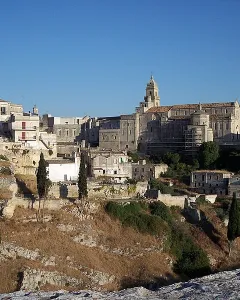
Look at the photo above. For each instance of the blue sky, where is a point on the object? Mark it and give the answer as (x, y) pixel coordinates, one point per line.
(94, 57)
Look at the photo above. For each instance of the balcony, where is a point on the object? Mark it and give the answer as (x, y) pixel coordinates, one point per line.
(32, 128)
(27, 138)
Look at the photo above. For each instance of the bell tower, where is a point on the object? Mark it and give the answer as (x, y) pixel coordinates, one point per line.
(152, 93)
(151, 99)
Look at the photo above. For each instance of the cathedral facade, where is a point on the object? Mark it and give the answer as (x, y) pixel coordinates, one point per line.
(154, 128)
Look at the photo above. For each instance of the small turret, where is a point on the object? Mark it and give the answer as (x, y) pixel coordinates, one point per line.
(35, 110)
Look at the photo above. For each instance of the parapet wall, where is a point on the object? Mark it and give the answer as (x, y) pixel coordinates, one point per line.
(99, 191)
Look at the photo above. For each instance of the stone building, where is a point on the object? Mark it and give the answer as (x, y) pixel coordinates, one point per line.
(118, 167)
(145, 171)
(66, 129)
(234, 185)
(112, 165)
(7, 108)
(22, 128)
(210, 181)
(154, 128)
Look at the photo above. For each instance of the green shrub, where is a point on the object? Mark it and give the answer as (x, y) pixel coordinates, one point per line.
(221, 213)
(164, 189)
(193, 262)
(201, 200)
(161, 210)
(134, 215)
(3, 157)
(122, 211)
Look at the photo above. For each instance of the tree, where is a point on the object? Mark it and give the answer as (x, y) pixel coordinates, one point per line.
(208, 154)
(234, 221)
(42, 177)
(82, 179)
(171, 158)
(43, 182)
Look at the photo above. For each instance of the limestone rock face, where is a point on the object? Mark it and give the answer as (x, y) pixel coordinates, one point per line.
(34, 279)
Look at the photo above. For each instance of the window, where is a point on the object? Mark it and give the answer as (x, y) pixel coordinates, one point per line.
(142, 169)
(210, 177)
(151, 129)
(77, 121)
(3, 110)
(226, 111)
(59, 132)
(130, 131)
(227, 126)
(23, 125)
(67, 132)
(103, 171)
(203, 177)
(115, 172)
(66, 122)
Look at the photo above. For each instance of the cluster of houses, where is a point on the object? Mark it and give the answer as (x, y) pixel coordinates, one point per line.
(105, 141)
(114, 166)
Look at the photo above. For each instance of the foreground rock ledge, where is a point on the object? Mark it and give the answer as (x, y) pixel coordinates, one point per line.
(223, 285)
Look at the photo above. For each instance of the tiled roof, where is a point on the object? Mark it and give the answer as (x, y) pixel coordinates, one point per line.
(204, 105)
(161, 109)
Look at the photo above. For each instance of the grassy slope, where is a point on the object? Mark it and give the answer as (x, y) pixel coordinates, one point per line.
(128, 269)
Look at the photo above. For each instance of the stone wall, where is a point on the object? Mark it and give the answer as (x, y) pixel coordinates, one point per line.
(167, 199)
(25, 160)
(99, 191)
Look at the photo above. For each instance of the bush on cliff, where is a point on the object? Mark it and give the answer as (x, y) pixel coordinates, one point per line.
(191, 260)
(135, 215)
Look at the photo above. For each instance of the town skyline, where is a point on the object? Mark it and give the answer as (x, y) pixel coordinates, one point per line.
(97, 58)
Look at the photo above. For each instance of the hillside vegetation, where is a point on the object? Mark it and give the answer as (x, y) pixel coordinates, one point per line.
(111, 246)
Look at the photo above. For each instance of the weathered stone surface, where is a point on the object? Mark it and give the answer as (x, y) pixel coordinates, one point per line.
(10, 206)
(34, 279)
(86, 240)
(9, 250)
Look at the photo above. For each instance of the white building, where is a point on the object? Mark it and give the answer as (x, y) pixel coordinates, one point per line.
(60, 170)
